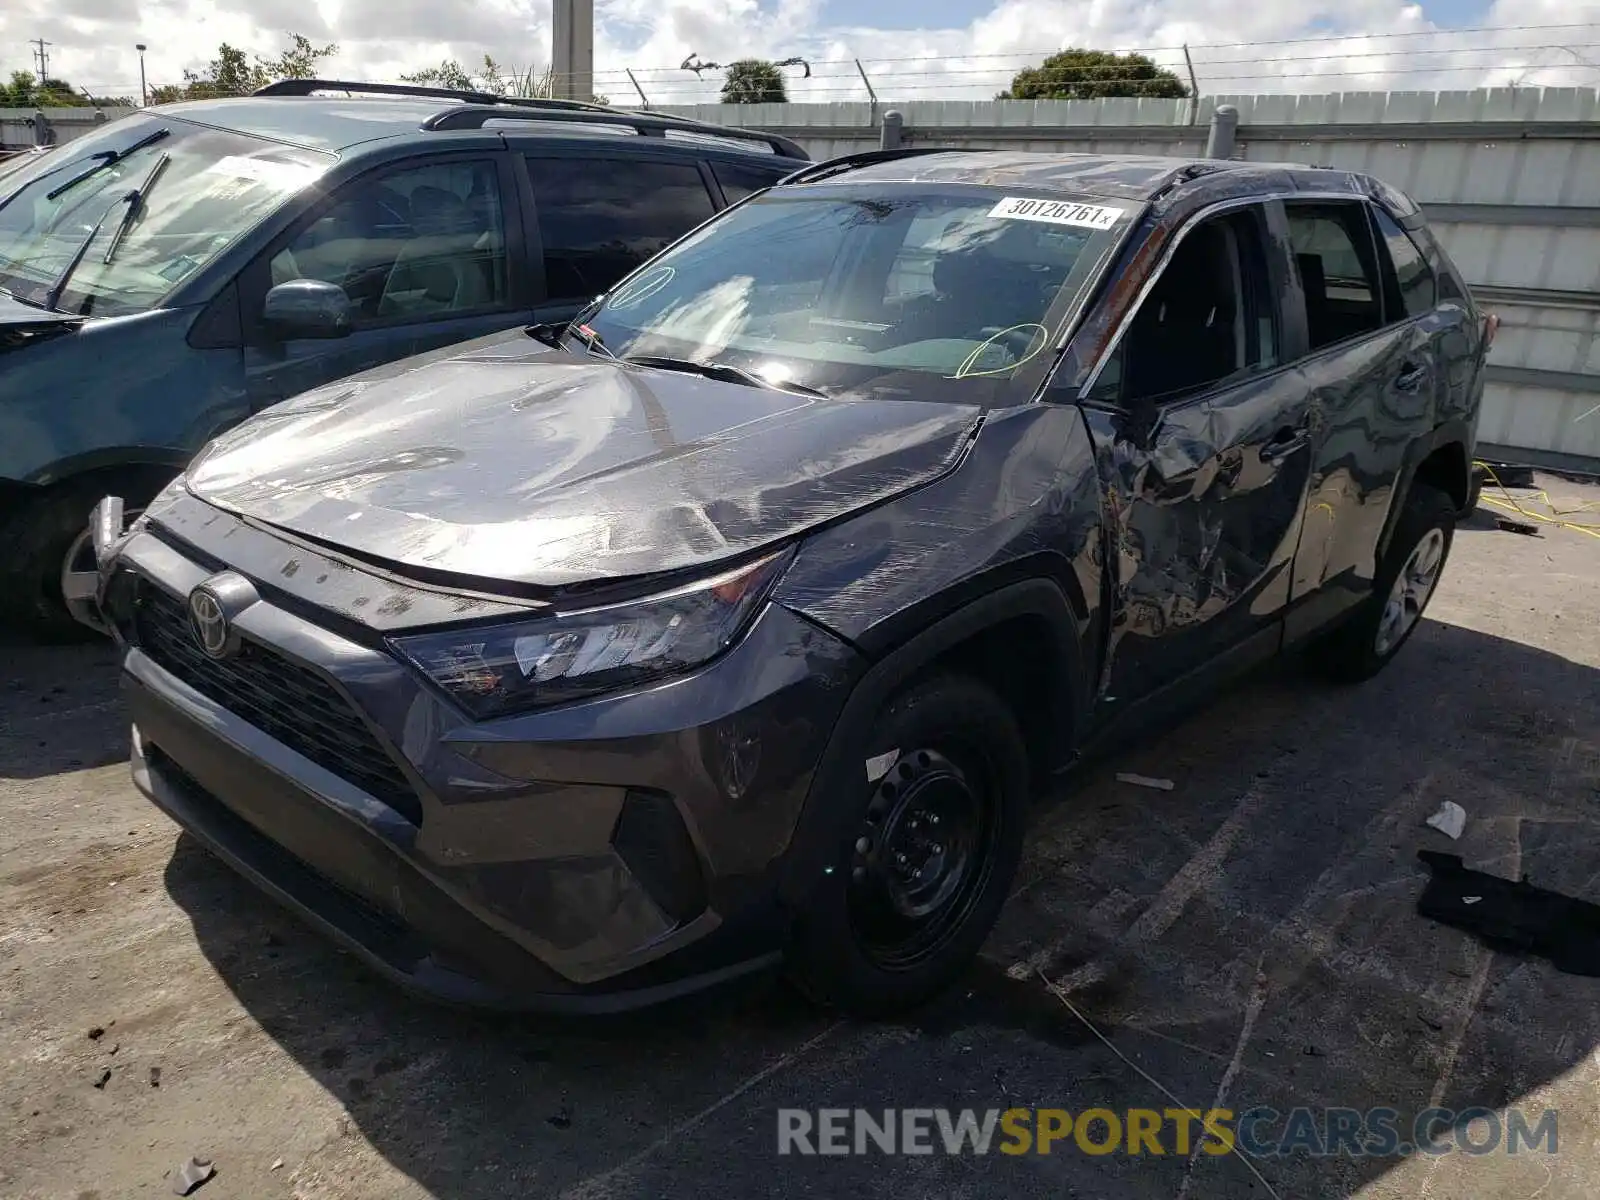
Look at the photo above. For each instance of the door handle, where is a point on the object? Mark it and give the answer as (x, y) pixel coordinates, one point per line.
(1411, 377)
(1284, 443)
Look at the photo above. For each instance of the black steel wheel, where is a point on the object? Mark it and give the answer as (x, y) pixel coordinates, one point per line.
(928, 844)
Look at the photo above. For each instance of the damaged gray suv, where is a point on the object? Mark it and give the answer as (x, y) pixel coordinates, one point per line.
(735, 623)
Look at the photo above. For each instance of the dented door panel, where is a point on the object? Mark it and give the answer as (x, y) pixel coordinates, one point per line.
(1369, 400)
(1202, 520)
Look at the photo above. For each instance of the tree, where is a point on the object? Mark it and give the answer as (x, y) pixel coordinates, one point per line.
(754, 81)
(493, 79)
(24, 92)
(231, 73)
(1076, 74)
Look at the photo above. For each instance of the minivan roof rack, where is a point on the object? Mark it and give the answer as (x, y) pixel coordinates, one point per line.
(861, 158)
(478, 108)
(305, 87)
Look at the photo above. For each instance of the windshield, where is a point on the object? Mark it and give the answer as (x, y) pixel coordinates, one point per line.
(72, 204)
(906, 291)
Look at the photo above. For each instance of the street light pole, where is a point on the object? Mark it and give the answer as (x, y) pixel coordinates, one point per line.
(144, 92)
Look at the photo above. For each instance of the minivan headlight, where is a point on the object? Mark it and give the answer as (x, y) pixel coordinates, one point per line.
(493, 670)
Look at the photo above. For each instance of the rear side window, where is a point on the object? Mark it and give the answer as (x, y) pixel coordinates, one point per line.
(1410, 288)
(1337, 262)
(599, 218)
(738, 180)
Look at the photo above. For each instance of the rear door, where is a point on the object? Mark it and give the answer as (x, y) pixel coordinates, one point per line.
(1374, 361)
(598, 215)
(429, 252)
(1200, 431)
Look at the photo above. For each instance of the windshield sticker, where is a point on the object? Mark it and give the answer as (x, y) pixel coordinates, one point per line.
(1057, 212)
(263, 170)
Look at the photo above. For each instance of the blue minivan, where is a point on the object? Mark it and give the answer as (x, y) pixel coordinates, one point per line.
(174, 272)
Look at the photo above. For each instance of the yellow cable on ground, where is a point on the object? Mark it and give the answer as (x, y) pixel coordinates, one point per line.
(1555, 519)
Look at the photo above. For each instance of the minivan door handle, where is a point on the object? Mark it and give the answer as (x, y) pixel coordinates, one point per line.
(1411, 377)
(1284, 443)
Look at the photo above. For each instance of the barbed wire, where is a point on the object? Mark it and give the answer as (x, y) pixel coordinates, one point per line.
(671, 79)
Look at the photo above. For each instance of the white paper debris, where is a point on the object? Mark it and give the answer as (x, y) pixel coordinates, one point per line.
(1470, 899)
(878, 765)
(1450, 820)
(1160, 785)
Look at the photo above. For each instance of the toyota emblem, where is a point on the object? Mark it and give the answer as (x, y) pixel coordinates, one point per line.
(209, 623)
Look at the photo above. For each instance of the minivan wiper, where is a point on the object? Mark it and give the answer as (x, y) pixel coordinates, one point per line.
(724, 372)
(108, 158)
(135, 199)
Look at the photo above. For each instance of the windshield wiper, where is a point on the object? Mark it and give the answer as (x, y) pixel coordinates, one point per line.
(724, 372)
(108, 158)
(555, 333)
(135, 199)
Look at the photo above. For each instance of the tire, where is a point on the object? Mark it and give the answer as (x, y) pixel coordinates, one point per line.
(1369, 640)
(35, 542)
(955, 800)
(1474, 490)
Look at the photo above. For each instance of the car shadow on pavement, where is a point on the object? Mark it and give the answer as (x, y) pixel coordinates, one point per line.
(53, 706)
(1253, 928)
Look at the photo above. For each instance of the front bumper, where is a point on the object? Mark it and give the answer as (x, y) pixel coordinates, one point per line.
(601, 856)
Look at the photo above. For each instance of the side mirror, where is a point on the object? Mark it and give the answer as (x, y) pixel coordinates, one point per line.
(307, 308)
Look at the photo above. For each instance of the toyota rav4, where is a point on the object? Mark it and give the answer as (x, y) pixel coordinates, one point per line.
(735, 622)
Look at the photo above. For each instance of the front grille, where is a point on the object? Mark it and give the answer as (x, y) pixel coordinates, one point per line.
(291, 703)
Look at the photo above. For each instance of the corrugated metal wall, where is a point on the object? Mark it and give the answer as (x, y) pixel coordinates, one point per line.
(1510, 178)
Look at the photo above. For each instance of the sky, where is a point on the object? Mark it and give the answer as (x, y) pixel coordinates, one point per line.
(911, 49)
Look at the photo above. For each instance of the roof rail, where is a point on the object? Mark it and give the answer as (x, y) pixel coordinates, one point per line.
(305, 87)
(862, 158)
(473, 116)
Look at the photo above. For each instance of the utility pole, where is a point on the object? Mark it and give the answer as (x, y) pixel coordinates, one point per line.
(572, 49)
(41, 55)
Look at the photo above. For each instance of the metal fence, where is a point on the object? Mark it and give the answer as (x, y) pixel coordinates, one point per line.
(1510, 178)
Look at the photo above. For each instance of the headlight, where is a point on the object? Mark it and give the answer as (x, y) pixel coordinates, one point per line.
(498, 669)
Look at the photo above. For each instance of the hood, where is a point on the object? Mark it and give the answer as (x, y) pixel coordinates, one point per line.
(19, 318)
(535, 467)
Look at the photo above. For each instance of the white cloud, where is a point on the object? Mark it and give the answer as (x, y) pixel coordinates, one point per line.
(1397, 47)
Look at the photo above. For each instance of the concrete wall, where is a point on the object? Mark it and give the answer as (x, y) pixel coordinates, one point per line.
(1510, 177)
(21, 127)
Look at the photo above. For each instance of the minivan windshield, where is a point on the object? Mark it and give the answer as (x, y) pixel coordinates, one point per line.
(112, 222)
(915, 291)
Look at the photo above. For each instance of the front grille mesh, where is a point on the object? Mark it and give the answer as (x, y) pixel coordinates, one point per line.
(283, 699)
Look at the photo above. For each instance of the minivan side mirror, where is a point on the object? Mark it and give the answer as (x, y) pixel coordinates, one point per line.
(307, 308)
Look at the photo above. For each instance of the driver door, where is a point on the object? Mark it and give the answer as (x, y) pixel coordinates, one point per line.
(1203, 450)
(428, 252)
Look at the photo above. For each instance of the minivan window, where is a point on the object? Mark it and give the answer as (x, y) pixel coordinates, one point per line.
(202, 188)
(911, 292)
(1338, 269)
(739, 180)
(417, 242)
(599, 218)
(1413, 292)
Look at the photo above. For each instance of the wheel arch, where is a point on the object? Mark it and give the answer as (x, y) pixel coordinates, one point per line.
(1045, 691)
(1439, 459)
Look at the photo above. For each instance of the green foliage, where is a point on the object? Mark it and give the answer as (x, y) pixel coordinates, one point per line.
(492, 79)
(1076, 74)
(232, 73)
(23, 91)
(754, 81)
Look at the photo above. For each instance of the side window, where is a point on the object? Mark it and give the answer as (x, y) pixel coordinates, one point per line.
(1412, 291)
(599, 218)
(1208, 318)
(738, 180)
(1334, 254)
(412, 243)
